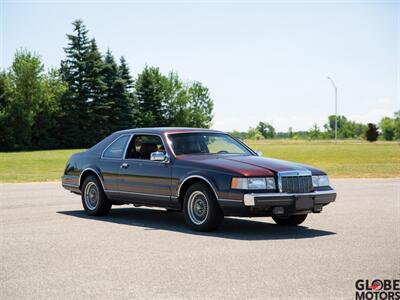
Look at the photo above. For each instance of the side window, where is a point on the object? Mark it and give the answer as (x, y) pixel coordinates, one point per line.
(141, 146)
(116, 149)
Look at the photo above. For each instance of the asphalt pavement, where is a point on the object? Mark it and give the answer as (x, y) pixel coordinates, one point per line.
(50, 249)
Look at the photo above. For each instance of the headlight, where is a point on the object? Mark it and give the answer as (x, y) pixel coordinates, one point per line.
(255, 183)
(321, 180)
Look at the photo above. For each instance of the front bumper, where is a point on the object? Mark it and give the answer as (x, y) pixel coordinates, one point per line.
(285, 199)
(270, 204)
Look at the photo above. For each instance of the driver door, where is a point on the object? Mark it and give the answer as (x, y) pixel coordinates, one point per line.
(143, 180)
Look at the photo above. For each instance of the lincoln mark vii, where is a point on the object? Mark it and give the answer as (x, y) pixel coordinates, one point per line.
(206, 174)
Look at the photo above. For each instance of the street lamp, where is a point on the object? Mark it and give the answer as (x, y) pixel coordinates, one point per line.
(335, 87)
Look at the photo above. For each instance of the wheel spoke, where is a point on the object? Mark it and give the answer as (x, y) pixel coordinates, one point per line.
(91, 195)
(197, 207)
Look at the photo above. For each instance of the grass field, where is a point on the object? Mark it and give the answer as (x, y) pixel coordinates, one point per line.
(347, 159)
(33, 165)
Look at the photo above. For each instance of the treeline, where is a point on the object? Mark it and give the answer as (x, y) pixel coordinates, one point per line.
(90, 96)
(387, 129)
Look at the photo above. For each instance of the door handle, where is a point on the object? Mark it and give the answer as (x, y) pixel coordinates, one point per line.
(124, 166)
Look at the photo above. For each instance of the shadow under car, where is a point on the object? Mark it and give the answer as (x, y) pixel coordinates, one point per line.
(231, 228)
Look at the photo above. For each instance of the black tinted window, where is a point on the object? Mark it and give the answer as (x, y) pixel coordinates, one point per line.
(116, 149)
(141, 146)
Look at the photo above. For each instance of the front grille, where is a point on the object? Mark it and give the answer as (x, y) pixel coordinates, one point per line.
(297, 184)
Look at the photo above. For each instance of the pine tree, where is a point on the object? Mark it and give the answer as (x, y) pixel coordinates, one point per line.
(85, 106)
(126, 103)
(110, 75)
(372, 133)
(74, 121)
(118, 85)
(124, 74)
(100, 105)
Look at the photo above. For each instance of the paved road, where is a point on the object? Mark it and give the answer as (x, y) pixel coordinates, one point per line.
(51, 249)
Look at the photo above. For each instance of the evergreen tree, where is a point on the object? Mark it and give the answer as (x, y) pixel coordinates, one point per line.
(125, 102)
(372, 133)
(125, 75)
(85, 107)
(99, 104)
(110, 75)
(118, 94)
(73, 120)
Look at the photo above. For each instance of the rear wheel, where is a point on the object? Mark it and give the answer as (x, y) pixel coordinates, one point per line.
(290, 221)
(201, 209)
(94, 200)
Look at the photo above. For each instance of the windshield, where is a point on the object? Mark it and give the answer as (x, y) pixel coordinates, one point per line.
(206, 143)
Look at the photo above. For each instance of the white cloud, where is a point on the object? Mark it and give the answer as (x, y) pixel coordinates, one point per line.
(385, 102)
(281, 123)
(383, 107)
(304, 119)
(373, 116)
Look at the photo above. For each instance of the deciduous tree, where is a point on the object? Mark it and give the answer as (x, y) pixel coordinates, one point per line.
(388, 128)
(266, 130)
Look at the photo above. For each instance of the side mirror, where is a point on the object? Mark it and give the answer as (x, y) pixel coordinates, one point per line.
(159, 156)
(259, 153)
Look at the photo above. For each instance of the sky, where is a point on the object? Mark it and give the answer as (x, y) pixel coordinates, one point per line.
(262, 61)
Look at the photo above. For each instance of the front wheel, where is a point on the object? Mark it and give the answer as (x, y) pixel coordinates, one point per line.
(201, 209)
(290, 221)
(94, 200)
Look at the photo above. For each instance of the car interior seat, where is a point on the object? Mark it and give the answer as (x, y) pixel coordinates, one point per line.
(146, 149)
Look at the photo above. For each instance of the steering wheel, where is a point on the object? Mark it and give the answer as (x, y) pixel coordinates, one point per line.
(222, 152)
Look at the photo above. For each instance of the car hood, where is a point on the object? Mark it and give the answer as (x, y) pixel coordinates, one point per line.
(249, 165)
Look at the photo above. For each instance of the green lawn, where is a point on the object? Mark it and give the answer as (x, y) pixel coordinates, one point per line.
(346, 159)
(342, 160)
(29, 166)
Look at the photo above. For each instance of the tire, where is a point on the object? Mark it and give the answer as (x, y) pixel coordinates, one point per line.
(94, 200)
(290, 221)
(201, 209)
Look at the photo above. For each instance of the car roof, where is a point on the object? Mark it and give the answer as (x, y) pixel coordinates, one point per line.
(100, 146)
(168, 130)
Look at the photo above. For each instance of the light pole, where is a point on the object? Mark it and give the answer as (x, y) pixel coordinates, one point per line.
(335, 87)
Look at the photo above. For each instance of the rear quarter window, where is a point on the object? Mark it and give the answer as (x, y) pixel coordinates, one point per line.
(116, 149)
